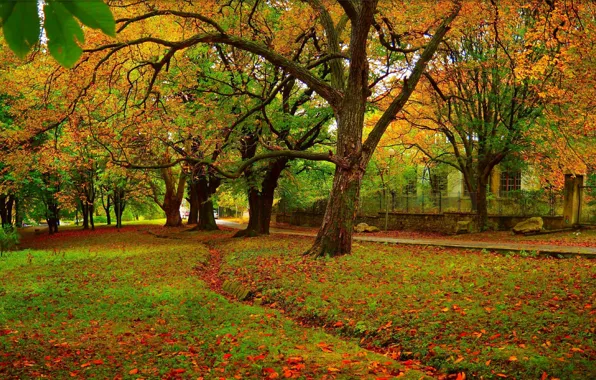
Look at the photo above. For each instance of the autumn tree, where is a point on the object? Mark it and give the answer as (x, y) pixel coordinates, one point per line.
(482, 102)
(354, 27)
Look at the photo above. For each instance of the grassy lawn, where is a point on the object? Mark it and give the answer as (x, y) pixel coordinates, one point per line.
(487, 315)
(130, 305)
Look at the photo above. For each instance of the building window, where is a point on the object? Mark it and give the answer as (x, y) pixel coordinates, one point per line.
(510, 181)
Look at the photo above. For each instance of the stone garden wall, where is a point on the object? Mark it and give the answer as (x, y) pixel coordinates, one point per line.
(441, 223)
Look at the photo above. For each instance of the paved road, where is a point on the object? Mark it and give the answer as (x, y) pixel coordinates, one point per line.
(449, 243)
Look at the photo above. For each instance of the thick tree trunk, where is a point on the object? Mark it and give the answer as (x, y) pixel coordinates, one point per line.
(119, 205)
(173, 196)
(335, 235)
(261, 202)
(206, 218)
(254, 227)
(85, 212)
(52, 218)
(6, 205)
(172, 209)
(482, 204)
(206, 187)
(107, 208)
(18, 210)
(91, 210)
(193, 201)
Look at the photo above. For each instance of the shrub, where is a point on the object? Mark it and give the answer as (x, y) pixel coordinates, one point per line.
(8, 239)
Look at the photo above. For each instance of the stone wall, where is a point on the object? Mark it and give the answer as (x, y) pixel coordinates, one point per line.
(440, 223)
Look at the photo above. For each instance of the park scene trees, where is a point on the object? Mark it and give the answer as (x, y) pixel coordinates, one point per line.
(250, 161)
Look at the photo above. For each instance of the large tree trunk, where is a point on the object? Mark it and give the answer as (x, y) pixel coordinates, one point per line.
(85, 212)
(173, 218)
(18, 210)
(261, 202)
(193, 201)
(119, 205)
(6, 203)
(254, 227)
(482, 204)
(52, 217)
(173, 196)
(107, 206)
(91, 210)
(335, 235)
(207, 186)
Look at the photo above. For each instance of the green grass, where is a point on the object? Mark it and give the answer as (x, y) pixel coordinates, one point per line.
(458, 311)
(127, 304)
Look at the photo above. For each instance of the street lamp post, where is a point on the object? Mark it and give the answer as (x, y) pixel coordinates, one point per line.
(391, 154)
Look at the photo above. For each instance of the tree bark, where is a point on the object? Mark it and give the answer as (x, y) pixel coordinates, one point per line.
(107, 206)
(254, 227)
(335, 235)
(6, 203)
(119, 205)
(91, 210)
(85, 213)
(172, 211)
(261, 202)
(52, 217)
(207, 186)
(18, 210)
(193, 201)
(172, 199)
(482, 204)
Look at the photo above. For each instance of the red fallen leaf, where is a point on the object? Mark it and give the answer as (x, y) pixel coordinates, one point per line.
(73, 374)
(338, 324)
(256, 358)
(461, 376)
(178, 370)
(408, 363)
(324, 347)
(85, 365)
(97, 362)
(133, 371)
(544, 376)
(271, 374)
(5, 332)
(501, 375)
(295, 359)
(494, 336)
(227, 356)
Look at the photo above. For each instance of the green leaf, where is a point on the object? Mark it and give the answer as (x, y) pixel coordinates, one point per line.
(20, 24)
(93, 13)
(61, 29)
(6, 8)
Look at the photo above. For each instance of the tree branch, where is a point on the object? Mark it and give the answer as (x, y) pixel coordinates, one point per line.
(409, 85)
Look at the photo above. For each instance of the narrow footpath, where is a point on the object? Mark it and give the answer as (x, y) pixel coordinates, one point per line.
(544, 249)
